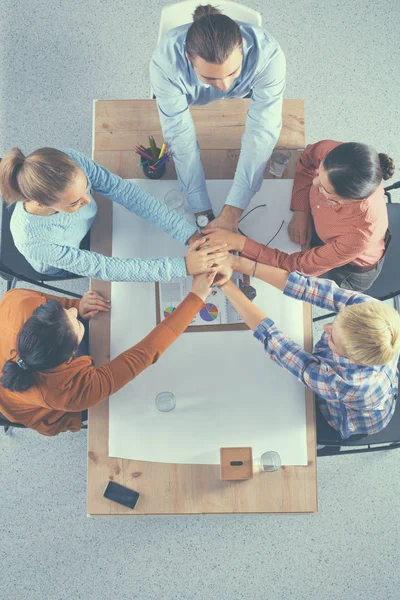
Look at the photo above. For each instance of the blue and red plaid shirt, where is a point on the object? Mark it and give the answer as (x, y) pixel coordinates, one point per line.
(356, 398)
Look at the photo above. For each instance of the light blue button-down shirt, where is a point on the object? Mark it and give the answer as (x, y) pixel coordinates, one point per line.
(177, 87)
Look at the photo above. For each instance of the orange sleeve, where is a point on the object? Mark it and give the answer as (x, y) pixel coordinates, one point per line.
(316, 261)
(306, 170)
(91, 385)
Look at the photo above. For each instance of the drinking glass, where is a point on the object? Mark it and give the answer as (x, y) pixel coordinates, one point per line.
(270, 461)
(175, 200)
(165, 401)
(278, 161)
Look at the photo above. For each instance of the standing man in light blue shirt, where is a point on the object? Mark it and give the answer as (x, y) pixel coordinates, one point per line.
(210, 59)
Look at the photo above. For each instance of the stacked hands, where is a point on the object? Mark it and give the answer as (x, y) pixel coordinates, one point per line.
(208, 259)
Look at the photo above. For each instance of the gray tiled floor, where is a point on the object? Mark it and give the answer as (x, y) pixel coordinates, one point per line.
(56, 57)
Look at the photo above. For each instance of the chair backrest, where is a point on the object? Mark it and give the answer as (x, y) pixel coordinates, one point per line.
(11, 259)
(4, 422)
(181, 13)
(389, 435)
(13, 263)
(387, 285)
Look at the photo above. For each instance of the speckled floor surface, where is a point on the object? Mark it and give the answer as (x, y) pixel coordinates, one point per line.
(55, 58)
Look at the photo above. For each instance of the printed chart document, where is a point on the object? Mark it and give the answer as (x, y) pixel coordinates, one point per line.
(228, 391)
(218, 313)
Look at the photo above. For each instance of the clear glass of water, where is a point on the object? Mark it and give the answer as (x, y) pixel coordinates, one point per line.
(270, 461)
(175, 200)
(278, 161)
(165, 401)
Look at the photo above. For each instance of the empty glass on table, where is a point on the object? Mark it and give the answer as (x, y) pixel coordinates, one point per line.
(165, 401)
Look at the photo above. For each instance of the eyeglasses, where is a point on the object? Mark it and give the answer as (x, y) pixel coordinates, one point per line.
(250, 211)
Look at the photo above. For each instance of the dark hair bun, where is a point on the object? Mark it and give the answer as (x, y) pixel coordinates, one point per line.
(387, 166)
(205, 10)
(16, 379)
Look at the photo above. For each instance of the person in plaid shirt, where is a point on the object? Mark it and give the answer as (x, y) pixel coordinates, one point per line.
(353, 367)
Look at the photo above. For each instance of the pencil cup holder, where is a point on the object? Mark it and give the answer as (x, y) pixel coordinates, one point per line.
(149, 172)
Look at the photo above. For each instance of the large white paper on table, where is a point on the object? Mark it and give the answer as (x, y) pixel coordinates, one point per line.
(228, 391)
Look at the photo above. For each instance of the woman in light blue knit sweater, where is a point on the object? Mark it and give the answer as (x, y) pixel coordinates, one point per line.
(54, 211)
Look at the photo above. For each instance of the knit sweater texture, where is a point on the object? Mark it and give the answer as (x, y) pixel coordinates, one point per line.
(51, 243)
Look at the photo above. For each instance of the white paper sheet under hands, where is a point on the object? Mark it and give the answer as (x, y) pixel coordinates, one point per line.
(228, 392)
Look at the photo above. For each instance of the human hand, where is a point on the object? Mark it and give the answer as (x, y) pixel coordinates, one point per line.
(201, 285)
(92, 302)
(225, 271)
(206, 259)
(299, 228)
(234, 241)
(193, 238)
(228, 219)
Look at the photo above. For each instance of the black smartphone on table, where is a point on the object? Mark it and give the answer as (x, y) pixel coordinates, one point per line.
(121, 494)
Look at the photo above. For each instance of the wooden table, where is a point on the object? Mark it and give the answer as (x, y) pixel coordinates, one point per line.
(183, 488)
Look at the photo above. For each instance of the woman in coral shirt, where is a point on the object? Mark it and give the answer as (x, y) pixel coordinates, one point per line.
(339, 210)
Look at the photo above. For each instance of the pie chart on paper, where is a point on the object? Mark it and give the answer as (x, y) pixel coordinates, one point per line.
(209, 312)
(168, 310)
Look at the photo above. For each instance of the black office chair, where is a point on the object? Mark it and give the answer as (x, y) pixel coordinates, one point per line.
(387, 439)
(4, 422)
(14, 267)
(387, 284)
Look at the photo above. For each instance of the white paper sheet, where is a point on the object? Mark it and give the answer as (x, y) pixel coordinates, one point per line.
(228, 392)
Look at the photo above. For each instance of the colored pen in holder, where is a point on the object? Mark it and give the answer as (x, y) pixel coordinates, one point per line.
(153, 160)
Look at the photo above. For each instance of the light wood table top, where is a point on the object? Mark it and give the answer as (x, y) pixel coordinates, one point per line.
(182, 488)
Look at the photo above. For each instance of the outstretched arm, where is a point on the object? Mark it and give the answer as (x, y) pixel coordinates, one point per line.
(199, 259)
(282, 350)
(91, 385)
(180, 134)
(316, 261)
(272, 275)
(314, 290)
(263, 126)
(134, 198)
(249, 312)
(106, 268)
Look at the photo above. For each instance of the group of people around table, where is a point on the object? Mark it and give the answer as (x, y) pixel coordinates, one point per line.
(49, 380)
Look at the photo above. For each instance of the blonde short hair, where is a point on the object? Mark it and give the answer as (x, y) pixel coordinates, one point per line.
(370, 332)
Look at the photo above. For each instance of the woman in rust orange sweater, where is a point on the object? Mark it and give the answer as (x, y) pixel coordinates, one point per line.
(44, 385)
